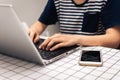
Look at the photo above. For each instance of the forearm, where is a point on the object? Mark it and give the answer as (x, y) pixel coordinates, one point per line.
(108, 40)
(102, 40)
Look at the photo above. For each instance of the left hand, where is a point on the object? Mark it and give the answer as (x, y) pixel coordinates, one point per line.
(59, 40)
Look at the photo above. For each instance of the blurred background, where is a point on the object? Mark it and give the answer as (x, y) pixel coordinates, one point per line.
(29, 11)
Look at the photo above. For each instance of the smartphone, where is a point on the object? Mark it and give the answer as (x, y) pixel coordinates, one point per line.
(90, 58)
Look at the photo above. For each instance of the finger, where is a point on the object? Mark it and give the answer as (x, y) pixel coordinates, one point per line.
(44, 44)
(32, 35)
(50, 44)
(57, 46)
(36, 38)
(53, 42)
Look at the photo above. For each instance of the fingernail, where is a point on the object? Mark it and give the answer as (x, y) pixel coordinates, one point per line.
(39, 47)
(51, 50)
(46, 49)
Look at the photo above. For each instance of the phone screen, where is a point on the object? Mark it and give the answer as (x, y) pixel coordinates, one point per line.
(91, 56)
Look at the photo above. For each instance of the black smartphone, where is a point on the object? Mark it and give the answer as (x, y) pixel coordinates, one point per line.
(90, 58)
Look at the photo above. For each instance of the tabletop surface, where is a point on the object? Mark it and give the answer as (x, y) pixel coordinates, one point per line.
(66, 68)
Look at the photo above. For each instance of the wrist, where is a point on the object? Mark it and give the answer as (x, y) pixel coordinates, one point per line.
(38, 27)
(77, 39)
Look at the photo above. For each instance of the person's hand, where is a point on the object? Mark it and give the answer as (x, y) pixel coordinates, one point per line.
(35, 30)
(34, 35)
(59, 40)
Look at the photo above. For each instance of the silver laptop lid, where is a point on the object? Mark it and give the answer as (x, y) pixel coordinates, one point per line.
(14, 40)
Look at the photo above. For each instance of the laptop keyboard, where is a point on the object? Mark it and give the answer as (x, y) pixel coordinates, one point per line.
(51, 54)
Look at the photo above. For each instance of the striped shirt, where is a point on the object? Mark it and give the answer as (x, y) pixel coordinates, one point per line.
(71, 16)
(81, 19)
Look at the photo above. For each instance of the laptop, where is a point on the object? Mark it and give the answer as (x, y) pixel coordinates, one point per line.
(15, 42)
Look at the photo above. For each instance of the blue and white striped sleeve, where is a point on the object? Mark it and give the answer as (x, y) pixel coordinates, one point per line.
(111, 14)
(49, 15)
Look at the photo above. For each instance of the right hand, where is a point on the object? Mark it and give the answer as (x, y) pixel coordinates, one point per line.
(34, 35)
(35, 30)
